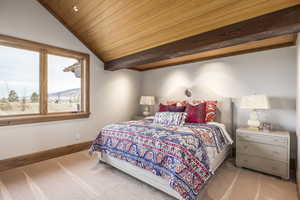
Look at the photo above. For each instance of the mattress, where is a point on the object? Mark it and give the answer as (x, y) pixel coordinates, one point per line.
(184, 157)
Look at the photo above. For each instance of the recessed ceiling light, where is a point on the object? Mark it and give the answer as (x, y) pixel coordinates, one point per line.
(75, 8)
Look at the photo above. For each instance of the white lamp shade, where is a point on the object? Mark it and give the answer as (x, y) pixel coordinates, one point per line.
(255, 102)
(147, 100)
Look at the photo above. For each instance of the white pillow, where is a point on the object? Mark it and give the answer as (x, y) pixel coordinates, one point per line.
(170, 118)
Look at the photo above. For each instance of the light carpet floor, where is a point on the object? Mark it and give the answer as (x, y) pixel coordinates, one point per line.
(78, 177)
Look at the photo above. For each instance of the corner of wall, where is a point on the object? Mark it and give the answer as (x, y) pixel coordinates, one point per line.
(298, 113)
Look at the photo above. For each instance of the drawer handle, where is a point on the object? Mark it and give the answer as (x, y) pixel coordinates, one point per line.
(246, 161)
(245, 147)
(275, 152)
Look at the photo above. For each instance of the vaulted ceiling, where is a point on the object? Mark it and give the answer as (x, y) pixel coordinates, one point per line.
(118, 31)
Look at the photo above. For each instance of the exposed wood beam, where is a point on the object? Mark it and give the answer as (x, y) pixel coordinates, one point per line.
(145, 68)
(278, 23)
(249, 47)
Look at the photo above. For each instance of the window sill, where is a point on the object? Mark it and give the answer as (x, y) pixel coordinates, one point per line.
(16, 120)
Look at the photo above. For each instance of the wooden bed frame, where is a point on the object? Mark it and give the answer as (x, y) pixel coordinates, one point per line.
(224, 117)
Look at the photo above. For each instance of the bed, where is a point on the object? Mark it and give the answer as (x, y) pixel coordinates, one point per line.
(178, 160)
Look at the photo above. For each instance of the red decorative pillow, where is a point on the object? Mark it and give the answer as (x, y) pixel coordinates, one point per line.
(165, 108)
(211, 111)
(171, 102)
(172, 108)
(196, 114)
(181, 103)
(178, 103)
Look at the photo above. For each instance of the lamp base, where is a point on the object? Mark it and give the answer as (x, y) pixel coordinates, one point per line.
(251, 128)
(253, 125)
(146, 111)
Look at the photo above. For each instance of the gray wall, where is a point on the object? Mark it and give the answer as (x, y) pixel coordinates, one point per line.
(270, 72)
(114, 95)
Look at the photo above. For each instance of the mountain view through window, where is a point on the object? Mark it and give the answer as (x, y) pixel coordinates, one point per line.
(20, 82)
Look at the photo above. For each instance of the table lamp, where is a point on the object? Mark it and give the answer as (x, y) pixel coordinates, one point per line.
(255, 103)
(147, 101)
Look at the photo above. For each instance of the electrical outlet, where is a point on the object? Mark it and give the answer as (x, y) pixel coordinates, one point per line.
(78, 136)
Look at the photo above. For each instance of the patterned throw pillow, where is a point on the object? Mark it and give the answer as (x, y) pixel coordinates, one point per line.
(171, 102)
(196, 102)
(170, 118)
(177, 103)
(211, 109)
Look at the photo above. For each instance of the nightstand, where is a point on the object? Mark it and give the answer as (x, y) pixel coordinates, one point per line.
(138, 117)
(267, 152)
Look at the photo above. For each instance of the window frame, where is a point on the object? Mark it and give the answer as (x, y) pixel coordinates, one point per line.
(44, 50)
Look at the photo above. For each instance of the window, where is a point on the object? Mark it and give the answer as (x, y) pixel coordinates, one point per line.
(19, 81)
(41, 83)
(64, 84)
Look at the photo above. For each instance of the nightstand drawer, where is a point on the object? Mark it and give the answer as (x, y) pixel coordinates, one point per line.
(268, 166)
(263, 150)
(273, 140)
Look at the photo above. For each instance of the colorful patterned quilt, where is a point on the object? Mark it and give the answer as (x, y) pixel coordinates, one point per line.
(178, 154)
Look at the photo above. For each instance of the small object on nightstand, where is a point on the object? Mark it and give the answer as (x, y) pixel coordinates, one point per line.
(138, 117)
(266, 127)
(268, 152)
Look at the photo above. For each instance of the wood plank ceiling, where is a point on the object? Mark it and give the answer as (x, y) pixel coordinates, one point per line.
(116, 29)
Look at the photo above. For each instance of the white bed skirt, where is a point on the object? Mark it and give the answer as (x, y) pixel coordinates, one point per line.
(153, 180)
